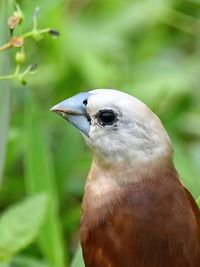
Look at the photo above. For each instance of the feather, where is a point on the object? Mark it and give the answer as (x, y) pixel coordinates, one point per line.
(151, 223)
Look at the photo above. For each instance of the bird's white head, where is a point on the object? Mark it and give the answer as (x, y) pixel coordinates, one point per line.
(116, 126)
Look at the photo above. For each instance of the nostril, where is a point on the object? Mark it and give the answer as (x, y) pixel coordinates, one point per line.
(85, 102)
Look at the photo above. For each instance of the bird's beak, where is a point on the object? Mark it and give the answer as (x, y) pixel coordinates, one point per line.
(73, 110)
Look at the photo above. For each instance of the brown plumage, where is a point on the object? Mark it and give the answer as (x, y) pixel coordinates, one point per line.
(135, 211)
(152, 223)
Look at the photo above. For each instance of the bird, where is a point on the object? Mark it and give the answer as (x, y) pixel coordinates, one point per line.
(135, 211)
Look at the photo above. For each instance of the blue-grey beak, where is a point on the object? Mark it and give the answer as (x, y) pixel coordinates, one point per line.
(73, 110)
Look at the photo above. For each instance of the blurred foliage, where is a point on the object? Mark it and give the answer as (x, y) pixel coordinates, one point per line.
(17, 230)
(147, 48)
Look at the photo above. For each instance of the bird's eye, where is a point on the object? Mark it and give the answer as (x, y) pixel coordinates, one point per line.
(85, 102)
(106, 117)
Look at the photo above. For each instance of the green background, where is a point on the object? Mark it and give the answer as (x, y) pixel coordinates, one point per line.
(147, 48)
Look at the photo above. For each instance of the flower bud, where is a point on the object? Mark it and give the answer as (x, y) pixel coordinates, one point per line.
(19, 15)
(17, 41)
(13, 22)
(37, 36)
(20, 57)
(23, 81)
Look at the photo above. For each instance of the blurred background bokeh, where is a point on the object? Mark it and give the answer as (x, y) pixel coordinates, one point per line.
(147, 48)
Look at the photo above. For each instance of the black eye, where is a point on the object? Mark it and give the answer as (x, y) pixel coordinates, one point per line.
(106, 117)
(85, 102)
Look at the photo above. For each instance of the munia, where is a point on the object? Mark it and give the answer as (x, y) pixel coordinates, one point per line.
(135, 210)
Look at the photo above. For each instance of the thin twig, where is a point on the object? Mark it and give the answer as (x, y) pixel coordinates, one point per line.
(7, 77)
(33, 32)
(5, 46)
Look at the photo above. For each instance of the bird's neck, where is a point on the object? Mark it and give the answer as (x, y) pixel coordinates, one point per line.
(106, 187)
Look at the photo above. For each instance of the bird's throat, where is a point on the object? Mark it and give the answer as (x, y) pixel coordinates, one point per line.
(106, 189)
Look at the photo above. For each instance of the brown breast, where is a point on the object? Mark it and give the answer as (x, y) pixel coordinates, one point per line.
(155, 223)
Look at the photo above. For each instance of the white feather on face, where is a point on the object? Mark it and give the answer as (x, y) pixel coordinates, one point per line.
(136, 135)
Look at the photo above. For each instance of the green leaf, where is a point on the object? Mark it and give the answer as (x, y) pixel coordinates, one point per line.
(40, 177)
(19, 225)
(78, 259)
(24, 261)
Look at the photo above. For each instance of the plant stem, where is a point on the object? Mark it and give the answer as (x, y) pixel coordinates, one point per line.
(25, 35)
(11, 76)
(33, 32)
(5, 93)
(5, 46)
(16, 70)
(7, 77)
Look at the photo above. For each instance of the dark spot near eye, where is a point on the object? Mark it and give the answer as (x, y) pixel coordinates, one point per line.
(106, 117)
(85, 102)
(88, 118)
